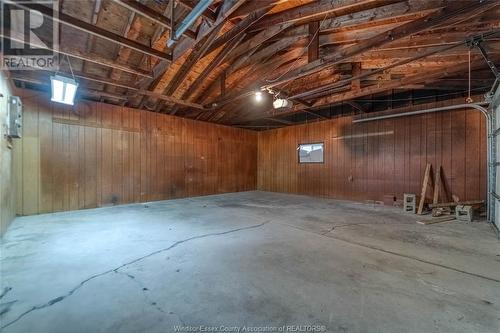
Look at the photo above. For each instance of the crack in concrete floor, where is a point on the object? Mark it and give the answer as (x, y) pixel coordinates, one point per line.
(328, 234)
(116, 270)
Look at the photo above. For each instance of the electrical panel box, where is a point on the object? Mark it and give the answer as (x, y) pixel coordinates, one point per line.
(14, 117)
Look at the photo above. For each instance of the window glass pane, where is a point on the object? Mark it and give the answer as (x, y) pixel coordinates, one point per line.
(311, 153)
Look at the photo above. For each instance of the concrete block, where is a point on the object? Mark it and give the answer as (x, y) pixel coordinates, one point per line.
(464, 213)
(410, 203)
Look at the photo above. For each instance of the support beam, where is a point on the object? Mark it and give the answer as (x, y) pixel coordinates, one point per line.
(153, 15)
(81, 91)
(398, 12)
(258, 39)
(319, 10)
(329, 87)
(213, 64)
(190, 4)
(252, 6)
(227, 8)
(122, 53)
(91, 77)
(313, 49)
(91, 57)
(427, 76)
(189, 20)
(191, 60)
(399, 32)
(238, 29)
(170, 99)
(138, 91)
(255, 76)
(424, 76)
(265, 53)
(356, 73)
(96, 31)
(159, 70)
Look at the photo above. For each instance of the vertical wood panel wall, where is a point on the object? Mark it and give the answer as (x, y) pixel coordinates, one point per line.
(366, 161)
(98, 154)
(7, 170)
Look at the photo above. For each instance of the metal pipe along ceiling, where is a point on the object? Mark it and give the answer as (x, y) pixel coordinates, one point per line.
(188, 20)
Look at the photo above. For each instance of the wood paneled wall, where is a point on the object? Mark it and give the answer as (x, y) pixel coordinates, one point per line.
(366, 161)
(7, 170)
(97, 154)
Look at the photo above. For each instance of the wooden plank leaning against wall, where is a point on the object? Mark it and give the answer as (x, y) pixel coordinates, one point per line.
(366, 161)
(98, 154)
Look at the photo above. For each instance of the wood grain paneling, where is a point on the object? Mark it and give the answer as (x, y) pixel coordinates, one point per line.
(8, 149)
(95, 154)
(366, 161)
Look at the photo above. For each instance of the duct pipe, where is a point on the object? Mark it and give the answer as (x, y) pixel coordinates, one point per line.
(188, 21)
(490, 151)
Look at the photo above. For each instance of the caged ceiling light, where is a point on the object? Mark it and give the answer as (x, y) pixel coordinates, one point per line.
(63, 88)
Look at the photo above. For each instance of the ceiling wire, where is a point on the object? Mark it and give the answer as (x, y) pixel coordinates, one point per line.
(469, 99)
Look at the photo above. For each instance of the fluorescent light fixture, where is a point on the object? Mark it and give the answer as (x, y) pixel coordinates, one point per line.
(258, 96)
(63, 89)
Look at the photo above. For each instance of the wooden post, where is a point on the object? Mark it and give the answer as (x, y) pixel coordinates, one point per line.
(424, 188)
(356, 71)
(437, 186)
(313, 50)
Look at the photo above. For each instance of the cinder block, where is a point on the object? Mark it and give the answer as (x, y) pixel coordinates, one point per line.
(410, 203)
(464, 213)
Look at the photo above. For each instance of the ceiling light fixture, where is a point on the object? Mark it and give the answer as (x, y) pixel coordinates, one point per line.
(63, 88)
(258, 96)
(281, 103)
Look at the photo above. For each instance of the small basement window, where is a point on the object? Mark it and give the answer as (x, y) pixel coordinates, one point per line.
(311, 152)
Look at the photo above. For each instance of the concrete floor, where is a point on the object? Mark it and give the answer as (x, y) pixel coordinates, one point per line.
(253, 258)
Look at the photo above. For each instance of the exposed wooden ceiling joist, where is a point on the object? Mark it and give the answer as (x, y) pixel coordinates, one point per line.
(320, 10)
(399, 32)
(193, 57)
(190, 4)
(238, 29)
(213, 64)
(95, 30)
(426, 76)
(363, 46)
(151, 14)
(81, 91)
(90, 57)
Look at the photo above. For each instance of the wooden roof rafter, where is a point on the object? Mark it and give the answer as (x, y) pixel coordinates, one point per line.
(97, 31)
(347, 94)
(384, 38)
(241, 42)
(152, 15)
